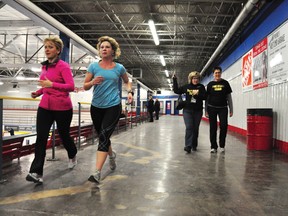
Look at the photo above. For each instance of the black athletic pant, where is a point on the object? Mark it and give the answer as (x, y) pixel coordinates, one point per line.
(45, 119)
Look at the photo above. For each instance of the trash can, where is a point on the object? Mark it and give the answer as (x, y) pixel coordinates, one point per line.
(259, 129)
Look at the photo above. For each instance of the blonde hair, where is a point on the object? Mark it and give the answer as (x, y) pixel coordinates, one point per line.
(57, 41)
(193, 74)
(113, 42)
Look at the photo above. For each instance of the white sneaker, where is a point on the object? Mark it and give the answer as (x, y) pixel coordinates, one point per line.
(72, 163)
(34, 177)
(213, 150)
(95, 177)
(112, 161)
(222, 150)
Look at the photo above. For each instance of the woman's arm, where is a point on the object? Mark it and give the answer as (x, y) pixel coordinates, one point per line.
(66, 74)
(90, 81)
(128, 87)
(176, 89)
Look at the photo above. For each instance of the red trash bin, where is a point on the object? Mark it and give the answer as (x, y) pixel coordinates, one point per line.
(259, 129)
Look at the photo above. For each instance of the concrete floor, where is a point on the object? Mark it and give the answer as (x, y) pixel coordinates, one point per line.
(154, 176)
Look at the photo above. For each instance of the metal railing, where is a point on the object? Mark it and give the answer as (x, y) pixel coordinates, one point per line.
(80, 124)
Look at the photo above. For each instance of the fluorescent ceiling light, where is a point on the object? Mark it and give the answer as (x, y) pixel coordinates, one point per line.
(162, 60)
(1, 83)
(153, 31)
(166, 73)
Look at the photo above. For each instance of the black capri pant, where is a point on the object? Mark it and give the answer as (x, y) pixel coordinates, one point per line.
(105, 121)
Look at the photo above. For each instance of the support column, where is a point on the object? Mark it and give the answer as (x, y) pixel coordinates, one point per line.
(138, 100)
(66, 49)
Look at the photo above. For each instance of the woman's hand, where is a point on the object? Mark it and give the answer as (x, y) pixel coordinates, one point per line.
(34, 94)
(45, 83)
(97, 80)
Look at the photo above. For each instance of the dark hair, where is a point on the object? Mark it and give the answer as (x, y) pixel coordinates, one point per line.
(217, 68)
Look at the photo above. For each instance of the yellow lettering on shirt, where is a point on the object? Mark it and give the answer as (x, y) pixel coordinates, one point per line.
(218, 87)
(189, 91)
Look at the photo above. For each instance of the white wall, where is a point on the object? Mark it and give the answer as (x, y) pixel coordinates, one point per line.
(275, 97)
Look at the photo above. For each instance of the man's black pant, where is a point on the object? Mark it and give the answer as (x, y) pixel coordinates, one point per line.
(222, 113)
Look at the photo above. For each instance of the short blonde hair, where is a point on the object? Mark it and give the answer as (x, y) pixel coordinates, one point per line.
(193, 74)
(113, 42)
(57, 41)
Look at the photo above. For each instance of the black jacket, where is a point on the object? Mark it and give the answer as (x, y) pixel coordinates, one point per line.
(192, 102)
(150, 105)
(157, 106)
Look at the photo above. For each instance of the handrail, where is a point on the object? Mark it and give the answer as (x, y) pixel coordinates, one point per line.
(33, 134)
(6, 138)
(18, 136)
(18, 98)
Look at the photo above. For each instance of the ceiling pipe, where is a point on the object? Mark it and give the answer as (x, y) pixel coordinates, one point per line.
(32, 8)
(243, 14)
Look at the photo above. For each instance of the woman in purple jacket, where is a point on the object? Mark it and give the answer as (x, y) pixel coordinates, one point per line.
(56, 81)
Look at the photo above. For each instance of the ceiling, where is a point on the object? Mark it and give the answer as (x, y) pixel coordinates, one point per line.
(189, 33)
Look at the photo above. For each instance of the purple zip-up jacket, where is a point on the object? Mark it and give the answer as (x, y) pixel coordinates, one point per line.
(57, 97)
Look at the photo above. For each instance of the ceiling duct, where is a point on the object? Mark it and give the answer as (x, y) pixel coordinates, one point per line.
(244, 13)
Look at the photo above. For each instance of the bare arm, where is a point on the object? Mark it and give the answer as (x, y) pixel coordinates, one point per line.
(126, 81)
(230, 104)
(128, 87)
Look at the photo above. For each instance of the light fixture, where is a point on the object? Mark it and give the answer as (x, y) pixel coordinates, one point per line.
(162, 60)
(1, 83)
(167, 73)
(153, 31)
(169, 81)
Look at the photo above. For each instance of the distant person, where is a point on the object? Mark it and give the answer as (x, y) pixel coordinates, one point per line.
(106, 107)
(56, 81)
(157, 109)
(193, 110)
(218, 98)
(150, 108)
(11, 131)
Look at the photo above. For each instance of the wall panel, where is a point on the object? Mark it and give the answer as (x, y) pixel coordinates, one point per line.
(274, 96)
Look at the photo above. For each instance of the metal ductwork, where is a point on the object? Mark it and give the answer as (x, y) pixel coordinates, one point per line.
(244, 13)
(32, 11)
